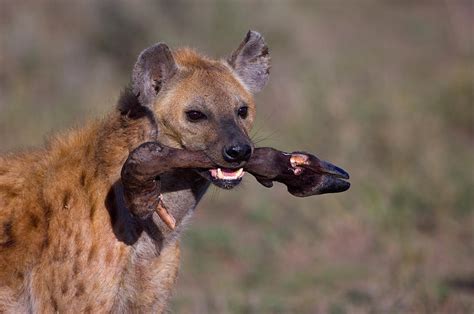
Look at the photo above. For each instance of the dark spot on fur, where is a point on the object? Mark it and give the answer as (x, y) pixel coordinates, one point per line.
(97, 171)
(48, 212)
(88, 150)
(57, 254)
(92, 211)
(20, 275)
(79, 289)
(92, 253)
(8, 240)
(33, 220)
(69, 232)
(88, 309)
(67, 199)
(64, 288)
(45, 243)
(75, 268)
(9, 191)
(82, 179)
(54, 304)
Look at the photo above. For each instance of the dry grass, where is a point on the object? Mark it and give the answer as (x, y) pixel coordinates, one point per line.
(383, 88)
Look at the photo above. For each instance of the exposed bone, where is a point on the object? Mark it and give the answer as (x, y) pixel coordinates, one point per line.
(298, 159)
(297, 170)
(167, 218)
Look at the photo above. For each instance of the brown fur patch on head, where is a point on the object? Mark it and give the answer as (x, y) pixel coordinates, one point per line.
(190, 59)
(192, 62)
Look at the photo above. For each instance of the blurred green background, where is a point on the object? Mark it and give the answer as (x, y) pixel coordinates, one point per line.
(384, 89)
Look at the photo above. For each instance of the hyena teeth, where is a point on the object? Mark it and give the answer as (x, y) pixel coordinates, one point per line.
(227, 174)
(240, 173)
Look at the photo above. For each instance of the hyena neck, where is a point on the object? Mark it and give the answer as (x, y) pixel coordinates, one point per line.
(115, 138)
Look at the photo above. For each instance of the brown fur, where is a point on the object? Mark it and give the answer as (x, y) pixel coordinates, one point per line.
(58, 249)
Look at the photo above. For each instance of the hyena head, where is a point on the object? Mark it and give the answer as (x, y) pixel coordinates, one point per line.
(203, 104)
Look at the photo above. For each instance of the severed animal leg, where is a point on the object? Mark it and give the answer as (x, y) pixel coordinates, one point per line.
(303, 173)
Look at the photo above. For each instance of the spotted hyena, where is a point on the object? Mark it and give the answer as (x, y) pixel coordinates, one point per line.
(91, 222)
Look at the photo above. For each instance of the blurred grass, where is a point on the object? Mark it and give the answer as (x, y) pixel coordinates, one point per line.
(383, 88)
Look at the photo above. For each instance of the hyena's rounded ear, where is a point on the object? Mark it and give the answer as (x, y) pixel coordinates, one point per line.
(251, 61)
(155, 65)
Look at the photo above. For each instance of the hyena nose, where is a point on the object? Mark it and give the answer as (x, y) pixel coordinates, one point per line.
(237, 153)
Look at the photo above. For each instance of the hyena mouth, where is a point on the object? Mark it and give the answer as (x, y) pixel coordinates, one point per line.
(227, 174)
(223, 177)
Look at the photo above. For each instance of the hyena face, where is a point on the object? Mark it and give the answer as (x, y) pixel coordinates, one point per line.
(210, 110)
(206, 105)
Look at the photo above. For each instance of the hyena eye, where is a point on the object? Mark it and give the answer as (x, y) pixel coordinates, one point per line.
(243, 112)
(195, 116)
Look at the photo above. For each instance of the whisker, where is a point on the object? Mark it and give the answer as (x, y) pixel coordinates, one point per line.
(271, 136)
